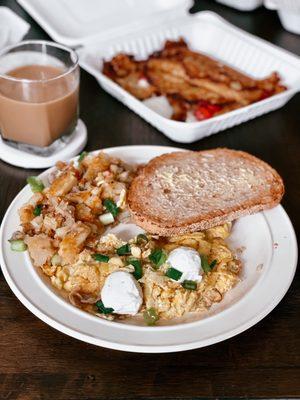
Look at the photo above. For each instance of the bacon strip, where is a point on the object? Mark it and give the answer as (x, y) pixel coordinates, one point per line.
(188, 79)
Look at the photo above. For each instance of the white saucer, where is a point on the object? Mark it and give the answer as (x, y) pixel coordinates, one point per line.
(269, 264)
(64, 151)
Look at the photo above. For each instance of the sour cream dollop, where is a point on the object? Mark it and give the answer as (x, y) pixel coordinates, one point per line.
(187, 261)
(122, 292)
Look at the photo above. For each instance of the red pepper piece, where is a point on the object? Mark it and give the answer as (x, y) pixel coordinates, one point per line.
(214, 108)
(202, 113)
(206, 110)
(265, 94)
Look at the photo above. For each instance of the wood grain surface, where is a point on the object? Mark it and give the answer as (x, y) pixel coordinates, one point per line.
(37, 362)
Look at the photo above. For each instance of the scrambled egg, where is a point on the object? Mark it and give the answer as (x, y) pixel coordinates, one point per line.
(167, 297)
(170, 299)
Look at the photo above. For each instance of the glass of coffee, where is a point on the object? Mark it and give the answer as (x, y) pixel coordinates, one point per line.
(39, 88)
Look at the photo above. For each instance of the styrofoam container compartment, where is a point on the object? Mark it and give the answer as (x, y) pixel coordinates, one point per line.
(242, 5)
(289, 13)
(140, 27)
(208, 33)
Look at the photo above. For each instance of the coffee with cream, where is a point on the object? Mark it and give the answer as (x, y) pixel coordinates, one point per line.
(38, 104)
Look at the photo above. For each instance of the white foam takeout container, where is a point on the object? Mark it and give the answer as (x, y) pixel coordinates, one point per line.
(288, 12)
(242, 5)
(12, 27)
(140, 27)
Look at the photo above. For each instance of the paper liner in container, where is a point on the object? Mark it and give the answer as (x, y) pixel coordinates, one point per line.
(208, 33)
(288, 11)
(242, 5)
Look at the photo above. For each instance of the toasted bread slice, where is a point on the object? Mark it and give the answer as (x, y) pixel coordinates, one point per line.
(188, 191)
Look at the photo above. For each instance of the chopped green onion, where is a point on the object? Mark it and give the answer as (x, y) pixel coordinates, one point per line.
(100, 258)
(36, 184)
(103, 309)
(206, 266)
(189, 285)
(150, 316)
(17, 245)
(37, 210)
(82, 156)
(107, 218)
(173, 274)
(56, 259)
(138, 270)
(158, 257)
(111, 206)
(141, 238)
(124, 250)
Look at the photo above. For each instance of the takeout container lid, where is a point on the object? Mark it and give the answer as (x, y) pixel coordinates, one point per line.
(76, 22)
(12, 28)
(123, 31)
(288, 11)
(288, 5)
(242, 5)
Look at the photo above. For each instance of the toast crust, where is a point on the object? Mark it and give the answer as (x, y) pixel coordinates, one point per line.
(183, 192)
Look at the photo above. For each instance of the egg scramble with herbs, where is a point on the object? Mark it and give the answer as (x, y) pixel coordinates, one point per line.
(64, 228)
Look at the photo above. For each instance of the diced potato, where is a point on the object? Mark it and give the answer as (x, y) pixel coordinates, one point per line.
(63, 184)
(40, 248)
(95, 165)
(73, 242)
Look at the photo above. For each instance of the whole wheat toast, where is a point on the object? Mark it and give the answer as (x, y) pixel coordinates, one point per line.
(188, 191)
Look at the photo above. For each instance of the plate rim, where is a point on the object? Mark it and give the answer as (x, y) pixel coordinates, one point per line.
(141, 347)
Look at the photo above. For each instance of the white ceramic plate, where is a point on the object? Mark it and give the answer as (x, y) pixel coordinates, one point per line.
(269, 259)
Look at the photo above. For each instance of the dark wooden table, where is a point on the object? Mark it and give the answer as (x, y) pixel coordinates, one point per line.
(37, 362)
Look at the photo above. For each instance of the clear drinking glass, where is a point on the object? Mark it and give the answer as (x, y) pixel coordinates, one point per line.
(39, 90)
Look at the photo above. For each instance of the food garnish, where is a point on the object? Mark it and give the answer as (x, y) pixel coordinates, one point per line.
(82, 156)
(206, 266)
(173, 274)
(189, 285)
(103, 310)
(35, 184)
(138, 270)
(101, 258)
(37, 210)
(150, 316)
(141, 238)
(17, 245)
(107, 218)
(158, 257)
(124, 250)
(111, 206)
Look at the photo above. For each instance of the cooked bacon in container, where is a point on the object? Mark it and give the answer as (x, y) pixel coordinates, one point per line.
(194, 83)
